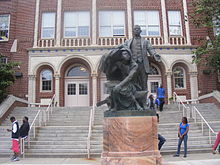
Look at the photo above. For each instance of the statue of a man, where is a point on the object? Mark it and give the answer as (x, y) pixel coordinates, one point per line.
(140, 48)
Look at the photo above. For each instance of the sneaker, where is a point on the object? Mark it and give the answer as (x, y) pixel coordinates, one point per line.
(184, 156)
(176, 155)
(16, 159)
(12, 158)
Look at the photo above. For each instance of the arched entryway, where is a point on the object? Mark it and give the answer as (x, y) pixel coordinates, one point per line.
(77, 86)
(154, 79)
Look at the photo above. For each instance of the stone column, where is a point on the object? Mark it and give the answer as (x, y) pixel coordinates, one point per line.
(57, 89)
(58, 31)
(36, 23)
(164, 21)
(129, 19)
(188, 40)
(94, 15)
(194, 85)
(94, 88)
(31, 88)
(169, 85)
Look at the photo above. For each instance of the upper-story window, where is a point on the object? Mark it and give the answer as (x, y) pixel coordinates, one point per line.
(174, 18)
(48, 25)
(46, 80)
(111, 23)
(3, 59)
(4, 27)
(76, 24)
(149, 22)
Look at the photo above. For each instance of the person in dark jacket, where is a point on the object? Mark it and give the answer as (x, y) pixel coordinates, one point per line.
(24, 129)
(15, 138)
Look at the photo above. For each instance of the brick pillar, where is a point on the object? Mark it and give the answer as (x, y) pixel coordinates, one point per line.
(58, 31)
(129, 19)
(94, 35)
(164, 21)
(188, 40)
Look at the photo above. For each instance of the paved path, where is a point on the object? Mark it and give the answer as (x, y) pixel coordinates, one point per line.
(192, 159)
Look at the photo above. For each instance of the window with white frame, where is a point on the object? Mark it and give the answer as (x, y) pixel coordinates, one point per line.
(111, 23)
(179, 77)
(46, 80)
(174, 19)
(216, 26)
(4, 27)
(76, 24)
(3, 60)
(149, 22)
(48, 25)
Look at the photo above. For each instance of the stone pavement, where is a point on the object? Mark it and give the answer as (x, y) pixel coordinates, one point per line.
(192, 159)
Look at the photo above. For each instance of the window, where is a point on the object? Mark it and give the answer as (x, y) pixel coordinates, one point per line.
(4, 27)
(46, 80)
(76, 24)
(71, 89)
(174, 23)
(83, 90)
(179, 77)
(48, 25)
(111, 23)
(3, 60)
(154, 86)
(78, 71)
(149, 22)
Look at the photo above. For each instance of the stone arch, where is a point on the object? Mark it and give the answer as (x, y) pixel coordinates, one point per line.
(65, 65)
(81, 58)
(43, 64)
(39, 93)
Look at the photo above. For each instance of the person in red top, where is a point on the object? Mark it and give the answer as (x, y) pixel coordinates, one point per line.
(217, 141)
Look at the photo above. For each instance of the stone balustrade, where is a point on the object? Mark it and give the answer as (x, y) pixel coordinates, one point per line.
(108, 41)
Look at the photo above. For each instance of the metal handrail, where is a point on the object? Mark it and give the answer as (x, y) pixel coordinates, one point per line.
(180, 103)
(40, 115)
(203, 120)
(91, 123)
(193, 110)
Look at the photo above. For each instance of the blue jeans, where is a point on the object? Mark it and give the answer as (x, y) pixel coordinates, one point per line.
(185, 137)
(161, 140)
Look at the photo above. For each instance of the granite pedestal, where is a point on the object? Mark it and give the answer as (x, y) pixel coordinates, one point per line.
(130, 140)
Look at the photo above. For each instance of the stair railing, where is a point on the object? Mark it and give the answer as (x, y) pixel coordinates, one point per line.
(181, 105)
(42, 117)
(195, 111)
(91, 123)
(49, 110)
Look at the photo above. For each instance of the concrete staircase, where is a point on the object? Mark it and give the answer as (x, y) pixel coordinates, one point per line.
(66, 133)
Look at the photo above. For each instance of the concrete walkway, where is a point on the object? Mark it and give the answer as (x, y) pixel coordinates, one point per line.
(192, 159)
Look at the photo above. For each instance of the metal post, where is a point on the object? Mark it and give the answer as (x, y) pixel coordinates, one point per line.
(202, 127)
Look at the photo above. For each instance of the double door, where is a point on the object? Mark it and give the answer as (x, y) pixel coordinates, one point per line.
(76, 93)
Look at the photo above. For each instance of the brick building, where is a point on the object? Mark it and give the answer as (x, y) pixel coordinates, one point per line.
(60, 42)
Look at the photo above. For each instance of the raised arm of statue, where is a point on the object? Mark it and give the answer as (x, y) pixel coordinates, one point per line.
(152, 52)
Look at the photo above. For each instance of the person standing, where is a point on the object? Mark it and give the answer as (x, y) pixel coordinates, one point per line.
(161, 97)
(183, 136)
(24, 129)
(161, 139)
(139, 48)
(15, 138)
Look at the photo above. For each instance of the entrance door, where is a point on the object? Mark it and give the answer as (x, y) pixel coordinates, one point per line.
(76, 93)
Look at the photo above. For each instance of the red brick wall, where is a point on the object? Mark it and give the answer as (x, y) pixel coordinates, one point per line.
(21, 27)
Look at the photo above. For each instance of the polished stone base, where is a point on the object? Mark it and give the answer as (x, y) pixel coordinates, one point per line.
(130, 141)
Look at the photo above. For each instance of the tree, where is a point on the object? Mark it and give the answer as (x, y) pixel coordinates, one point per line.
(6, 77)
(207, 14)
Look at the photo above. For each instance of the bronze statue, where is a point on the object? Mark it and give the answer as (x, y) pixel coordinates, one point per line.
(127, 68)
